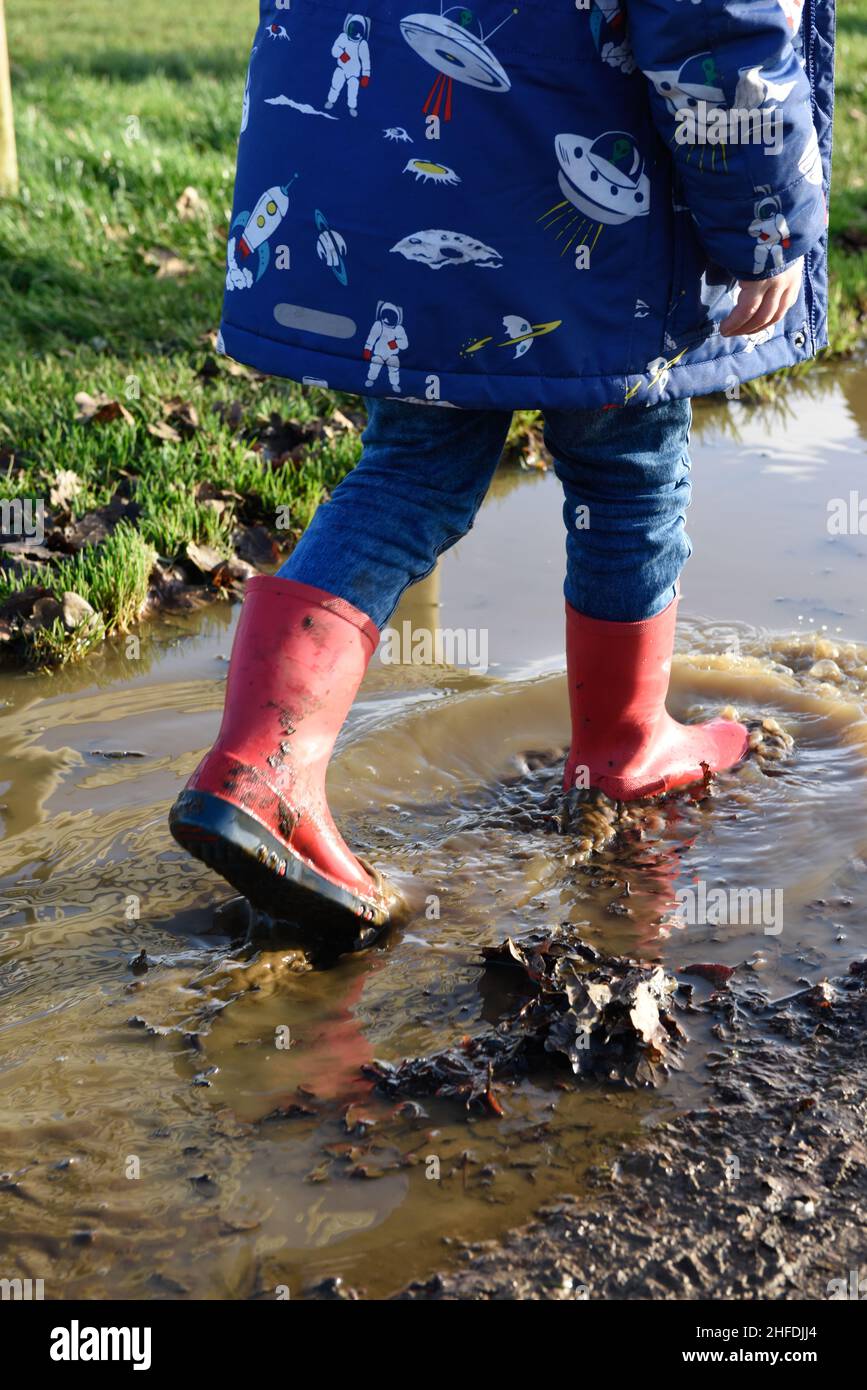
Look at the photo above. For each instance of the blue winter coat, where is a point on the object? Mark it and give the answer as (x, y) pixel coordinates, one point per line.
(535, 205)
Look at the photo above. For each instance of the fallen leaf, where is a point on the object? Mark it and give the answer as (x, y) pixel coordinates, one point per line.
(100, 410)
(169, 266)
(161, 429)
(65, 486)
(190, 204)
(254, 544)
(203, 558)
(209, 370)
(230, 412)
(45, 611)
(232, 573)
(182, 414)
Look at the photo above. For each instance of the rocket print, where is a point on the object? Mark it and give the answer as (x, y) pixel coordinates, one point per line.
(250, 247)
(609, 35)
(352, 52)
(385, 340)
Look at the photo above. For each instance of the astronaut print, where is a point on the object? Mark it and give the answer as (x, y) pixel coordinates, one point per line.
(351, 50)
(772, 234)
(385, 341)
(350, 55)
(381, 145)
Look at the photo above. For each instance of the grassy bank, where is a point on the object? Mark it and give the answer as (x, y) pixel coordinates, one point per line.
(112, 402)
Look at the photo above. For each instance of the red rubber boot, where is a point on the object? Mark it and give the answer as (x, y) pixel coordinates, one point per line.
(621, 731)
(255, 809)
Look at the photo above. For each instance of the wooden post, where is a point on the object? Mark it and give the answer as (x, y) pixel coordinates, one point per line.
(8, 157)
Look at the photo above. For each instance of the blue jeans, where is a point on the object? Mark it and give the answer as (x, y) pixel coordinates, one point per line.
(424, 472)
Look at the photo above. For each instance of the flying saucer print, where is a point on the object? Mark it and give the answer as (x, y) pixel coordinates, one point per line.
(456, 53)
(603, 179)
(431, 172)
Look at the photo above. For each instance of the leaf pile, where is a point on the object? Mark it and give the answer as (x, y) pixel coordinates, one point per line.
(610, 1018)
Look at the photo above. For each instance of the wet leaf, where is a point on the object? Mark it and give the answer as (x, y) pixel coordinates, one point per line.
(203, 558)
(294, 1111)
(716, 973)
(356, 1122)
(255, 545)
(320, 1173)
(609, 1017)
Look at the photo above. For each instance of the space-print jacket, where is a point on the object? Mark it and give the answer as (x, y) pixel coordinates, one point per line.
(528, 205)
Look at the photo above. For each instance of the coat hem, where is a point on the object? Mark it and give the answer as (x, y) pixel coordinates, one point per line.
(273, 357)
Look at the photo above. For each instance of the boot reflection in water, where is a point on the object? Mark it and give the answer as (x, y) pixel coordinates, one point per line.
(255, 809)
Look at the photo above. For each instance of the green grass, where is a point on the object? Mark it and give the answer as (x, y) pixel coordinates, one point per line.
(119, 109)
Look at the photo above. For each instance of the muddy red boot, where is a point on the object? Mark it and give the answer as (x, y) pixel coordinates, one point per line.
(255, 809)
(624, 741)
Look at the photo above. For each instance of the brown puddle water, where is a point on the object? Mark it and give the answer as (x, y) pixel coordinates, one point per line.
(132, 1131)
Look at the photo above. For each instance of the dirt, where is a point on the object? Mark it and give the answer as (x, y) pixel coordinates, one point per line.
(759, 1194)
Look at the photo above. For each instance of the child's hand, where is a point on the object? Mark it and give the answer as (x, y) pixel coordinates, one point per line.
(763, 302)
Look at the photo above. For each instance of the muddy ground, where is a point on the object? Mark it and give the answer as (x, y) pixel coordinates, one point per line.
(760, 1194)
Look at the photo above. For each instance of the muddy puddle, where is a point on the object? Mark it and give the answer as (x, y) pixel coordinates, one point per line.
(194, 1122)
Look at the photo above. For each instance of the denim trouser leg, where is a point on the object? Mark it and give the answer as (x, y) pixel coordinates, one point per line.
(625, 475)
(415, 491)
(425, 469)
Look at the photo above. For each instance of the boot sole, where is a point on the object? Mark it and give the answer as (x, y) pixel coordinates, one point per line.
(241, 850)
